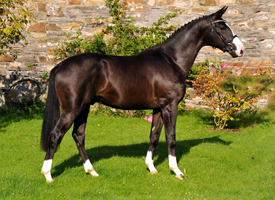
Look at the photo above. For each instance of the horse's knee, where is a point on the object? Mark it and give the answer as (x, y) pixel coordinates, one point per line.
(171, 143)
(171, 147)
(154, 140)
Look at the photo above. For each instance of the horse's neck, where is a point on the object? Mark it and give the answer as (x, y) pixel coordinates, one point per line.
(185, 46)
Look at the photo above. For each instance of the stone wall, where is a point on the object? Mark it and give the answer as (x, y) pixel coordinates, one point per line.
(252, 20)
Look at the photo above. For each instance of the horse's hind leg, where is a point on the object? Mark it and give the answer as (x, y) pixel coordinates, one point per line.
(64, 123)
(79, 137)
(157, 124)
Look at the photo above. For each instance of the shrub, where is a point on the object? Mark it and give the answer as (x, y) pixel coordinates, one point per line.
(126, 38)
(228, 94)
(12, 21)
(197, 68)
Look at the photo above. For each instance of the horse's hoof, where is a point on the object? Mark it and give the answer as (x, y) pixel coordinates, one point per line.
(93, 173)
(181, 177)
(154, 172)
(49, 181)
(48, 176)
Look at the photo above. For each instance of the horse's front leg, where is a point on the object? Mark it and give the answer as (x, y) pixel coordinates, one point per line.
(170, 117)
(157, 124)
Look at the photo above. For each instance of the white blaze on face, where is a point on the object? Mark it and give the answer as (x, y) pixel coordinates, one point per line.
(237, 42)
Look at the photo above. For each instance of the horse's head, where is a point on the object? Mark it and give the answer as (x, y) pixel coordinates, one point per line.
(222, 36)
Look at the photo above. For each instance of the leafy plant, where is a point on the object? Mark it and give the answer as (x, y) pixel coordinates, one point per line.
(228, 94)
(197, 68)
(126, 38)
(45, 75)
(14, 15)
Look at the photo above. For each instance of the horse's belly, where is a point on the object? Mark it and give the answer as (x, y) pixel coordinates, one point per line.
(128, 103)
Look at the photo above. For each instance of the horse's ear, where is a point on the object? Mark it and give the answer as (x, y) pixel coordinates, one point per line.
(220, 12)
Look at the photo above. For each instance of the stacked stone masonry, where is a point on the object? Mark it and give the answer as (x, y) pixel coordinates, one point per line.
(252, 20)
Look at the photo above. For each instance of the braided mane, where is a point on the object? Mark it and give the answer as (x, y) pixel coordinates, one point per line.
(182, 29)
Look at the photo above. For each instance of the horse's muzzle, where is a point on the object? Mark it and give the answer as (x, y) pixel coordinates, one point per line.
(239, 51)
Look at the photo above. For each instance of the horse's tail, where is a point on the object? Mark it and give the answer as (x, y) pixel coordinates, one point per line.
(52, 112)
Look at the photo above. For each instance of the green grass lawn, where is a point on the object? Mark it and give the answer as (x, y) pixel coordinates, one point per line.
(219, 165)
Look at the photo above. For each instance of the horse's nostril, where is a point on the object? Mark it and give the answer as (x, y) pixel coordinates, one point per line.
(241, 52)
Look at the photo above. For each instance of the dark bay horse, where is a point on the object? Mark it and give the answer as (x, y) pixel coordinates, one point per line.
(153, 79)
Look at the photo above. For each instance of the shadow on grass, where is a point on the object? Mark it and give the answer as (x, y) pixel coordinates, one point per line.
(241, 119)
(248, 119)
(7, 119)
(135, 150)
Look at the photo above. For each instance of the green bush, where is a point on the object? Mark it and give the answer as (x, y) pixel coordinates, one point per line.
(12, 21)
(228, 94)
(126, 38)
